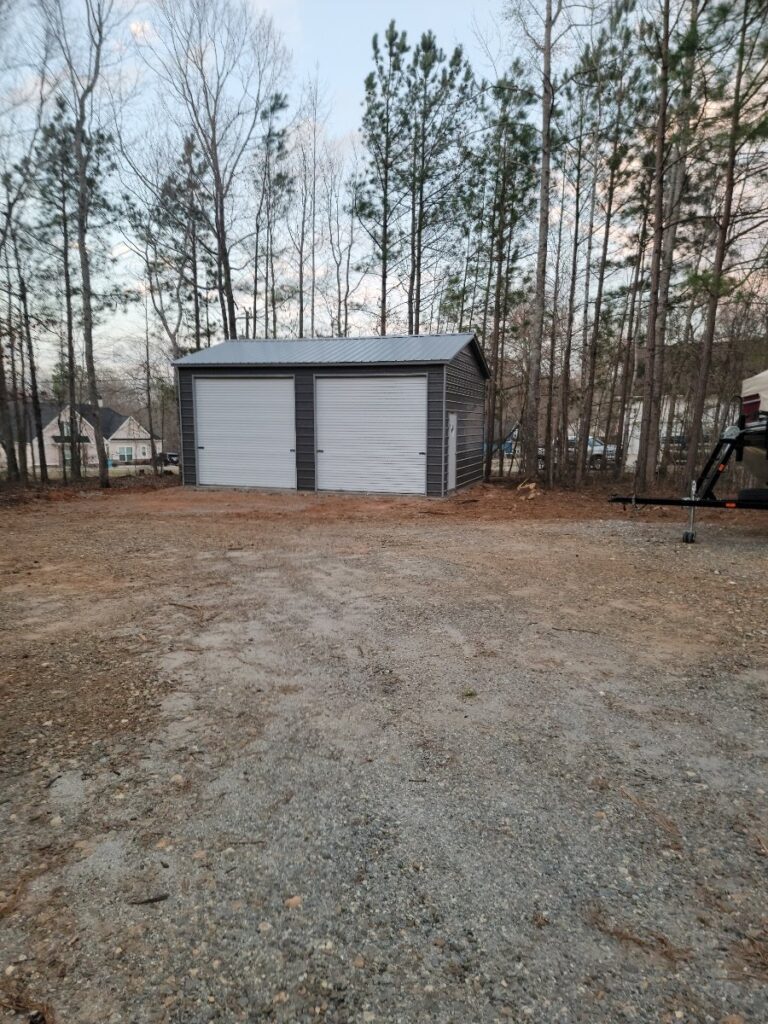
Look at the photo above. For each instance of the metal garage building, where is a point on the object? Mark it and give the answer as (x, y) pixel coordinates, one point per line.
(395, 415)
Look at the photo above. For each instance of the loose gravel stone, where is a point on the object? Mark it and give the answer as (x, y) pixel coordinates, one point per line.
(384, 760)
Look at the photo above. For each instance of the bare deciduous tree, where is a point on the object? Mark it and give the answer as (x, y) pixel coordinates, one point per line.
(81, 46)
(221, 65)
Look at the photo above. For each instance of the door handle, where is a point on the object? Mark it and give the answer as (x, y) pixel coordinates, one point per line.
(291, 449)
(320, 451)
(422, 453)
(201, 447)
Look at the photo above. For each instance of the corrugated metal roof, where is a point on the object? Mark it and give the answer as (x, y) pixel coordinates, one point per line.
(422, 348)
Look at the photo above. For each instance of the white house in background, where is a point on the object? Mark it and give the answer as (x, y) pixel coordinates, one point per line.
(126, 441)
(678, 424)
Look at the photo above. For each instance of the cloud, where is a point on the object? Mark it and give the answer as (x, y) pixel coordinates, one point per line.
(142, 30)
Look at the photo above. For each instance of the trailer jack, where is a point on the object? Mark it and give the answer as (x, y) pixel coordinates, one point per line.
(731, 442)
(689, 537)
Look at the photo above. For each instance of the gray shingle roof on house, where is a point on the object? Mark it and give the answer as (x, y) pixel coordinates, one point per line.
(111, 420)
(404, 349)
(48, 411)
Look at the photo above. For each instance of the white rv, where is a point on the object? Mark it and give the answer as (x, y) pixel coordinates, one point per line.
(754, 409)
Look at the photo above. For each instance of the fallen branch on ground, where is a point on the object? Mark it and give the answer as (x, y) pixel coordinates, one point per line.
(652, 942)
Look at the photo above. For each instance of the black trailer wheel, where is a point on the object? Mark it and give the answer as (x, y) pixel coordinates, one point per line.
(689, 537)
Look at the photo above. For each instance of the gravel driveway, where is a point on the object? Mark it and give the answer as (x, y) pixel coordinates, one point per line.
(296, 758)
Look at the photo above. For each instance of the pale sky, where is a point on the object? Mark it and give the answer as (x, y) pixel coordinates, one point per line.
(334, 37)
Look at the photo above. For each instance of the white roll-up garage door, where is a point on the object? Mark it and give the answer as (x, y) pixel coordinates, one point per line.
(245, 431)
(372, 434)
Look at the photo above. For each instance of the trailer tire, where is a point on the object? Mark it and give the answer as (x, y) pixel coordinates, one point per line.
(753, 494)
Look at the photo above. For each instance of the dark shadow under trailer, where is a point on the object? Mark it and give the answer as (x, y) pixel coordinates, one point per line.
(731, 442)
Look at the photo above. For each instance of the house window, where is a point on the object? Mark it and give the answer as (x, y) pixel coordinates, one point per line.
(125, 454)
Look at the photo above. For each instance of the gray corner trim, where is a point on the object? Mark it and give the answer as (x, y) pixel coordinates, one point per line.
(177, 385)
(443, 483)
(314, 425)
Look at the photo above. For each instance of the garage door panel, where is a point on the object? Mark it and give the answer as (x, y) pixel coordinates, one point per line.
(372, 434)
(246, 431)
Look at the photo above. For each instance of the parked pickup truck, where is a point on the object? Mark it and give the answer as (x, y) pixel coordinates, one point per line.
(599, 453)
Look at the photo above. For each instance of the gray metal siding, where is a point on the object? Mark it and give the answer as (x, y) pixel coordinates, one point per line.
(305, 413)
(305, 430)
(187, 421)
(435, 430)
(465, 395)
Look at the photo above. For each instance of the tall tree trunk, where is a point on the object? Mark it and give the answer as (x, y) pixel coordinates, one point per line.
(491, 396)
(148, 394)
(589, 391)
(6, 423)
(195, 283)
(582, 446)
(721, 248)
(384, 240)
(302, 233)
(669, 241)
(657, 383)
(75, 466)
(273, 289)
(313, 220)
(617, 361)
(256, 250)
(220, 292)
(225, 268)
(670, 424)
(36, 410)
(464, 279)
(419, 253)
(641, 480)
(531, 425)
(411, 292)
(267, 245)
(495, 343)
(347, 270)
(549, 462)
(18, 405)
(255, 286)
(620, 372)
(629, 352)
(565, 389)
(498, 242)
(83, 203)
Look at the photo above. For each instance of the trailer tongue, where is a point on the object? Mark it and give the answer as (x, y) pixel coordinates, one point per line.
(752, 436)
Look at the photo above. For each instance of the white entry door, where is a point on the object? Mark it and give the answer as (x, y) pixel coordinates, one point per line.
(245, 431)
(371, 434)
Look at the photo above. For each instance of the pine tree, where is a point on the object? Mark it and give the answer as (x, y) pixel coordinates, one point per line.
(381, 196)
(439, 95)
